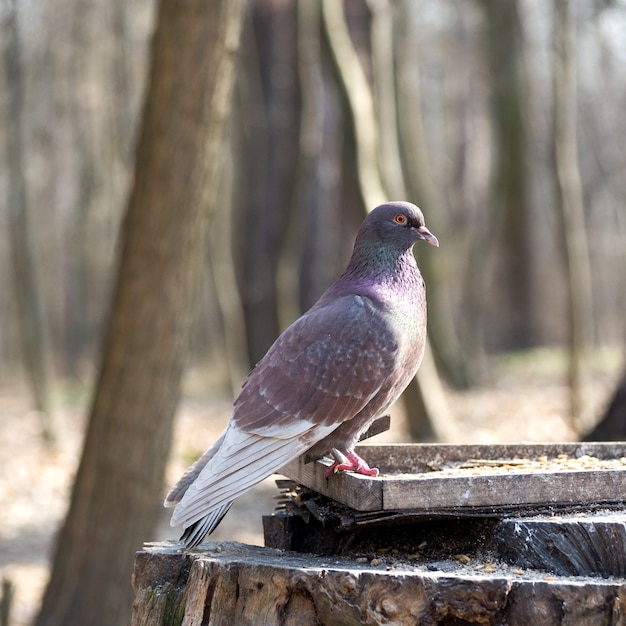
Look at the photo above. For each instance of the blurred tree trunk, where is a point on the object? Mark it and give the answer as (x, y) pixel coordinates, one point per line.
(220, 260)
(317, 242)
(612, 427)
(78, 267)
(123, 120)
(267, 157)
(403, 149)
(509, 194)
(423, 190)
(308, 225)
(32, 328)
(570, 197)
(116, 496)
(359, 97)
(102, 138)
(424, 401)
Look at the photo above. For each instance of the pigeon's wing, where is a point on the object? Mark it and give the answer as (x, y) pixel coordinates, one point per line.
(319, 373)
(243, 460)
(177, 492)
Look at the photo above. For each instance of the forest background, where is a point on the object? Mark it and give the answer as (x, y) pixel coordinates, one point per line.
(502, 120)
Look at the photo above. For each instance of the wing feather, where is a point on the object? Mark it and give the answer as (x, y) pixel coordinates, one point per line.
(196, 532)
(322, 371)
(345, 351)
(261, 457)
(177, 492)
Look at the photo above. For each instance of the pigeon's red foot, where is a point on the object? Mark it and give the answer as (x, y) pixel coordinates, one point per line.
(350, 462)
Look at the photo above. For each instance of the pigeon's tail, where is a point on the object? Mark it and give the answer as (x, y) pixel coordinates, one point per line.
(197, 531)
(233, 465)
(177, 492)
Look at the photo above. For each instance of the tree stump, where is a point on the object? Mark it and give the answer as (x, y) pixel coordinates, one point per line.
(577, 545)
(446, 535)
(230, 583)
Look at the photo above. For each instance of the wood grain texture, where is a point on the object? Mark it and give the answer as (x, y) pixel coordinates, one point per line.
(402, 457)
(356, 490)
(588, 545)
(245, 585)
(409, 479)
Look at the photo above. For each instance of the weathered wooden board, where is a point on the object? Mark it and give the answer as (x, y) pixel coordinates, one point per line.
(232, 583)
(425, 478)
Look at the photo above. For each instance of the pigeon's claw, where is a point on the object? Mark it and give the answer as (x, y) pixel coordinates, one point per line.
(349, 462)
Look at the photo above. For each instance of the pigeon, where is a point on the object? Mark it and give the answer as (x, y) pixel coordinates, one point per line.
(325, 379)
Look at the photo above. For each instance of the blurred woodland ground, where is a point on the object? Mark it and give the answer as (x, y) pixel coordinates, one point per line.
(503, 120)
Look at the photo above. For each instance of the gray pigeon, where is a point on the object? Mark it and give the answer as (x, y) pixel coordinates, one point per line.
(325, 379)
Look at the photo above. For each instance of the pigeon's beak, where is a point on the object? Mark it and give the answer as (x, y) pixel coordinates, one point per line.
(427, 236)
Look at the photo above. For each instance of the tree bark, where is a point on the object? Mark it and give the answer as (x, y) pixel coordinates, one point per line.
(246, 585)
(318, 228)
(269, 111)
(116, 495)
(509, 184)
(359, 96)
(32, 328)
(612, 426)
(424, 399)
(570, 199)
(423, 190)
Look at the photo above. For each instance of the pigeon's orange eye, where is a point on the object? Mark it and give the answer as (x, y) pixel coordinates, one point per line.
(400, 219)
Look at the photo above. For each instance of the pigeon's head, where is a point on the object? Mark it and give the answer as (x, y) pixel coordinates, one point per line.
(396, 224)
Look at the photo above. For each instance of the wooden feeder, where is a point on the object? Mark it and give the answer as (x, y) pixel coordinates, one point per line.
(446, 534)
(431, 479)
